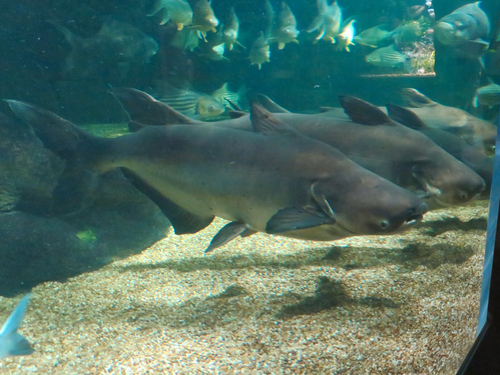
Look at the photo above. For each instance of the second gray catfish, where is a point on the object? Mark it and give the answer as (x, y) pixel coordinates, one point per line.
(372, 140)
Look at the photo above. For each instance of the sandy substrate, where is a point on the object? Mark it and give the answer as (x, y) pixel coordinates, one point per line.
(404, 304)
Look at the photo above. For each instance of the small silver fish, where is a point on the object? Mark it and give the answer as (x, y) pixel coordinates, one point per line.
(188, 102)
(260, 52)
(177, 11)
(375, 36)
(186, 39)
(285, 30)
(328, 21)
(11, 342)
(204, 19)
(346, 37)
(216, 45)
(231, 31)
(487, 95)
(388, 57)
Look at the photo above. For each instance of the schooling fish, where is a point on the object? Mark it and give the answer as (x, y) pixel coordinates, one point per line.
(285, 30)
(232, 30)
(270, 180)
(177, 11)
(328, 21)
(346, 37)
(115, 43)
(387, 57)
(186, 39)
(374, 37)
(399, 154)
(188, 102)
(11, 342)
(216, 45)
(204, 19)
(487, 95)
(260, 52)
(465, 24)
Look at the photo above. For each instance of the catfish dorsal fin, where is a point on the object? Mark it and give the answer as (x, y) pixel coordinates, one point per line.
(363, 112)
(269, 104)
(143, 109)
(405, 116)
(264, 122)
(416, 99)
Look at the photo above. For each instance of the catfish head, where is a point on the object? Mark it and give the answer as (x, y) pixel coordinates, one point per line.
(446, 181)
(368, 204)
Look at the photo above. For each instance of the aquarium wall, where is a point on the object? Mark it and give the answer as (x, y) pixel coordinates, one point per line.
(248, 186)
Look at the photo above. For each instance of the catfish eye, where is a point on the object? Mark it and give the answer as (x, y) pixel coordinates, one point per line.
(384, 224)
(211, 108)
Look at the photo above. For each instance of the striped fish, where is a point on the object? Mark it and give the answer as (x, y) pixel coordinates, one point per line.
(487, 95)
(190, 103)
(224, 96)
(388, 57)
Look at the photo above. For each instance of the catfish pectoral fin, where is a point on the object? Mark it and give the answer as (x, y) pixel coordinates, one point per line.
(183, 221)
(228, 233)
(293, 218)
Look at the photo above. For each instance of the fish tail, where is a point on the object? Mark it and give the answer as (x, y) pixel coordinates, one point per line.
(11, 342)
(73, 40)
(82, 151)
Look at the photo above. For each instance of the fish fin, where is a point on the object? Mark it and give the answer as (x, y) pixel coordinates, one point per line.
(325, 109)
(293, 218)
(143, 109)
(237, 114)
(180, 26)
(416, 99)
(363, 112)
(57, 134)
(241, 45)
(233, 105)
(269, 104)
(16, 343)
(183, 221)
(481, 41)
(405, 116)
(264, 122)
(321, 200)
(316, 24)
(78, 148)
(228, 233)
(281, 45)
(16, 317)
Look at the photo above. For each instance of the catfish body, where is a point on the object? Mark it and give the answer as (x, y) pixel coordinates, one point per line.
(271, 180)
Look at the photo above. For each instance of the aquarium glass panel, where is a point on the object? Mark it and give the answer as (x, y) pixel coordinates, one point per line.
(261, 187)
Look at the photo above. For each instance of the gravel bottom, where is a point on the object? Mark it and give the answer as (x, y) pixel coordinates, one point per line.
(405, 304)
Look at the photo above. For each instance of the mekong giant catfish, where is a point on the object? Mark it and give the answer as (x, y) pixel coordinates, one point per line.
(271, 179)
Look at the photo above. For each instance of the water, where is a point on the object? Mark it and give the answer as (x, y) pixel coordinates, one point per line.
(115, 290)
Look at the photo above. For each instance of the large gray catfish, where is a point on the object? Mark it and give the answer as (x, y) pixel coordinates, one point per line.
(271, 180)
(372, 140)
(453, 120)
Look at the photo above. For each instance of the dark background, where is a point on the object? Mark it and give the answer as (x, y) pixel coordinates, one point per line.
(300, 77)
